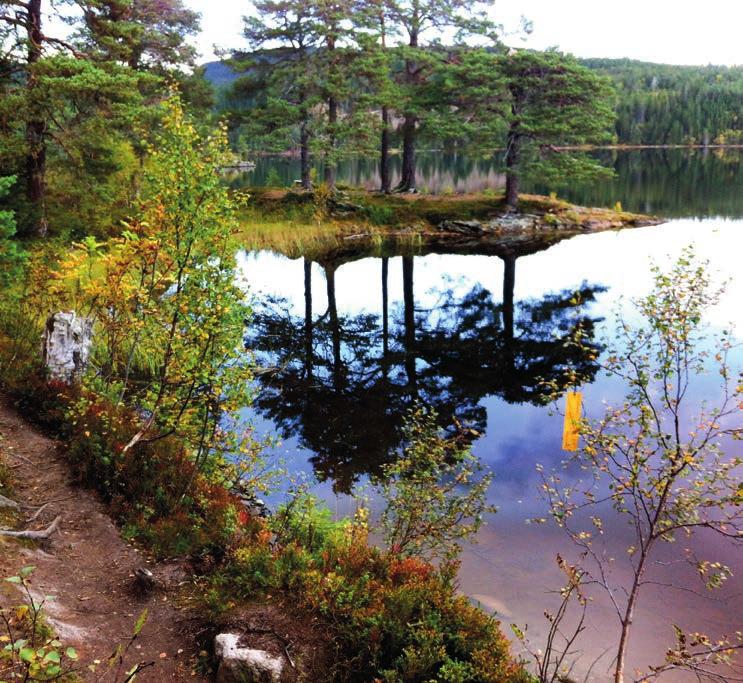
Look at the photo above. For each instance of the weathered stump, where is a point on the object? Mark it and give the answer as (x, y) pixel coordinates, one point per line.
(66, 347)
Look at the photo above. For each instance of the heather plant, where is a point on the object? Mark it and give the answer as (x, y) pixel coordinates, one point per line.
(660, 460)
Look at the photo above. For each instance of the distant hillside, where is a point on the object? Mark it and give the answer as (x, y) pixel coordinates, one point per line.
(667, 104)
(219, 74)
(656, 104)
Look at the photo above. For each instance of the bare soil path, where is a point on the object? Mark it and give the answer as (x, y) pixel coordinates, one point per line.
(89, 567)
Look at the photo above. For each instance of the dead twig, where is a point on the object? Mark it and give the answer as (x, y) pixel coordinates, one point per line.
(36, 514)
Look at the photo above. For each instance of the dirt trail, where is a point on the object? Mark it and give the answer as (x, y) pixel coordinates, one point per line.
(88, 566)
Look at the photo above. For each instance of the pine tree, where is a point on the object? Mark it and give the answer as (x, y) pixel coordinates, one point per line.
(143, 34)
(552, 102)
(277, 78)
(416, 21)
(23, 24)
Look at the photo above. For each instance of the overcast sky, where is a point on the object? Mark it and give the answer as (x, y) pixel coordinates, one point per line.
(669, 31)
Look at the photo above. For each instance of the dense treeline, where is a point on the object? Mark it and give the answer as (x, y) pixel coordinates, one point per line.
(337, 78)
(76, 98)
(660, 104)
(655, 104)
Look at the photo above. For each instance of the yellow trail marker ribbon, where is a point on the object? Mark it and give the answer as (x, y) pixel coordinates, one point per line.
(573, 403)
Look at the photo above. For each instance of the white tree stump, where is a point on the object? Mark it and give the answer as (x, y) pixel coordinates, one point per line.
(67, 342)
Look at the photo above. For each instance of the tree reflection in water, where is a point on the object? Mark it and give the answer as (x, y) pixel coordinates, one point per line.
(342, 384)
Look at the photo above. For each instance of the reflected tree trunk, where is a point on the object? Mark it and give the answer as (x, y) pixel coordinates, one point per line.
(385, 306)
(409, 312)
(308, 362)
(509, 282)
(334, 325)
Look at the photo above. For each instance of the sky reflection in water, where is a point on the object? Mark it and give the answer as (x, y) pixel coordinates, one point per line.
(512, 567)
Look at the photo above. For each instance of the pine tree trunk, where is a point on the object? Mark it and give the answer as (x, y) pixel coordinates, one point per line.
(407, 179)
(512, 171)
(384, 154)
(330, 168)
(35, 128)
(304, 154)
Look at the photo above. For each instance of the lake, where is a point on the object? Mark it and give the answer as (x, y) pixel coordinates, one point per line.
(678, 183)
(356, 340)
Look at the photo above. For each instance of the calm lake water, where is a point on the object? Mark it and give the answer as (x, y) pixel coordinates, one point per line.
(673, 182)
(359, 340)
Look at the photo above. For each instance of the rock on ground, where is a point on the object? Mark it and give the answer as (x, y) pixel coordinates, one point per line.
(245, 665)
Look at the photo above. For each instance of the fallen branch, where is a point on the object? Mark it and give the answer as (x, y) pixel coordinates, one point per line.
(33, 535)
(8, 503)
(28, 461)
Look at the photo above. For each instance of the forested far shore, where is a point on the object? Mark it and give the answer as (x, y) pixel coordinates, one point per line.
(656, 104)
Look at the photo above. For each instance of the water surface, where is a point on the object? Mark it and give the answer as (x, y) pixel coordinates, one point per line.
(358, 340)
(672, 182)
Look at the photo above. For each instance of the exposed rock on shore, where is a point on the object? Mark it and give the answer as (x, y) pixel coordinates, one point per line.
(510, 223)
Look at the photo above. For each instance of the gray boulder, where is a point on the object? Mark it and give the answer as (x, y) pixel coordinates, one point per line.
(462, 227)
(245, 665)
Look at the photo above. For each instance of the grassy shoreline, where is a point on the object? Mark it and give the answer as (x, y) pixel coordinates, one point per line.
(300, 223)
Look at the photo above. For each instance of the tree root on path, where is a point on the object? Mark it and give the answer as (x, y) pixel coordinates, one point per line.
(39, 535)
(8, 503)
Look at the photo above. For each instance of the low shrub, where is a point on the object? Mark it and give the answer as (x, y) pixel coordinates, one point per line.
(396, 618)
(155, 489)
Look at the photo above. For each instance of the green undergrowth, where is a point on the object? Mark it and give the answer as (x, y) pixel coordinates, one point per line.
(388, 616)
(29, 647)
